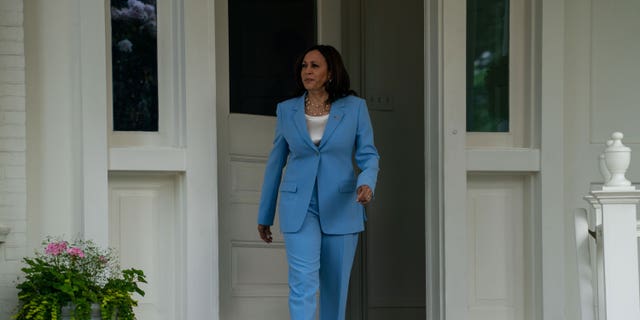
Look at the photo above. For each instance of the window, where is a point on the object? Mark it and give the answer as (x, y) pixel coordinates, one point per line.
(134, 52)
(488, 66)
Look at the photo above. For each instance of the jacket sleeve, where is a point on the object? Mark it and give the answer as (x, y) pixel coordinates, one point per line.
(273, 174)
(366, 154)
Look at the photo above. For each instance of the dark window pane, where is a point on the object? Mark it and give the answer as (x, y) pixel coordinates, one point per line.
(487, 65)
(134, 51)
(265, 38)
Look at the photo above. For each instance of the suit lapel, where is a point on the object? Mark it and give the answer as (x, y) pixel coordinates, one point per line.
(335, 117)
(301, 122)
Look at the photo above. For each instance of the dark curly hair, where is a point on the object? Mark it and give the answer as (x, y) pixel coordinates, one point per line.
(339, 85)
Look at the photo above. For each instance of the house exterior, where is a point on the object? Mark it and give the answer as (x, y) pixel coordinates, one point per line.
(487, 236)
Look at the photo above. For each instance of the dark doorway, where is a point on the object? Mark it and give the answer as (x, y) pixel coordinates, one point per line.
(390, 55)
(264, 38)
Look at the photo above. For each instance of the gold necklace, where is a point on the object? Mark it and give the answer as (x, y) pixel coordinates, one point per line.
(316, 109)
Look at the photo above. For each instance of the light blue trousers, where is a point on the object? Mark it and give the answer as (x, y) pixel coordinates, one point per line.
(318, 261)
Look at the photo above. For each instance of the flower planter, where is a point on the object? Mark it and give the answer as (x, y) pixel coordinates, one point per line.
(65, 313)
(71, 273)
(95, 312)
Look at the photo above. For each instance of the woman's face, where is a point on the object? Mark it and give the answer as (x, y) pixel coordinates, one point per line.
(314, 72)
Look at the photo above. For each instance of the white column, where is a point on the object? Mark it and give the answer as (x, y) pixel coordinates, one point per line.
(93, 93)
(620, 252)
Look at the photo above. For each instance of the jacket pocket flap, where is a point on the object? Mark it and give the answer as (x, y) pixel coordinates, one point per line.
(349, 186)
(288, 187)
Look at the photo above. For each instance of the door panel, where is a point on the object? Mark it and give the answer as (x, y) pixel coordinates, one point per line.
(495, 215)
(247, 270)
(144, 226)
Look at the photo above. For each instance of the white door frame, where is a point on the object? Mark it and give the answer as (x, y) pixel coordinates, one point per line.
(452, 80)
(433, 125)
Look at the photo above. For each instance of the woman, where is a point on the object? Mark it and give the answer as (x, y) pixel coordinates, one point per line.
(318, 134)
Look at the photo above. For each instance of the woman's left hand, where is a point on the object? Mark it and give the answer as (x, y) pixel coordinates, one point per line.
(364, 195)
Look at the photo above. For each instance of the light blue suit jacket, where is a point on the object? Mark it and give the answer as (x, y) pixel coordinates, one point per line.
(348, 133)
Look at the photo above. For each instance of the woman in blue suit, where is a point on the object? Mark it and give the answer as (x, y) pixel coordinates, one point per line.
(321, 197)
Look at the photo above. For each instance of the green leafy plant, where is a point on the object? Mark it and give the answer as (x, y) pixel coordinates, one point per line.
(76, 275)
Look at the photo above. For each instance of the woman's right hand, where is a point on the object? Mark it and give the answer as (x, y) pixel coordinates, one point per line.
(265, 233)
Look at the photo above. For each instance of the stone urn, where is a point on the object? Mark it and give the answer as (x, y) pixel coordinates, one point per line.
(617, 157)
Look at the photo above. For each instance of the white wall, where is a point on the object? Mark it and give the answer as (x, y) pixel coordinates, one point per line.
(53, 119)
(12, 149)
(601, 95)
(48, 86)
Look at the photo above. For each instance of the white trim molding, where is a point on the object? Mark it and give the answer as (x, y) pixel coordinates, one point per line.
(147, 159)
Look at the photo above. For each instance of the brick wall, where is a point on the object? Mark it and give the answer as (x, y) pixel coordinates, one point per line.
(12, 149)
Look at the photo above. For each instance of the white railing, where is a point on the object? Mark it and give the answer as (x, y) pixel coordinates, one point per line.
(608, 249)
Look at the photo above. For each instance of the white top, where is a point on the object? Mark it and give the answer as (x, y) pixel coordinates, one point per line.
(316, 125)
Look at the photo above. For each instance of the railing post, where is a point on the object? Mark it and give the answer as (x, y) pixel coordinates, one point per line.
(616, 204)
(620, 253)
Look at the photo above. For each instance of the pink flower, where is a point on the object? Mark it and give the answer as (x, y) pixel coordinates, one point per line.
(56, 248)
(76, 252)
